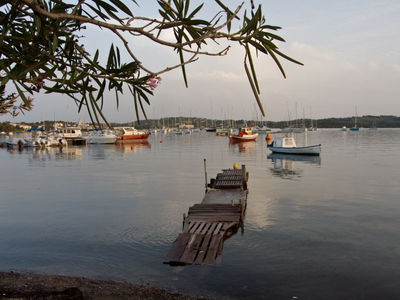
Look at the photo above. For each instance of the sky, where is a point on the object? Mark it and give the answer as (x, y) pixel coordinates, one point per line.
(350, 50)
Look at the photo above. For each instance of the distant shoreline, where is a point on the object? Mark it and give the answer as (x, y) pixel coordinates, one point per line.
(368, 121)
(39, 286)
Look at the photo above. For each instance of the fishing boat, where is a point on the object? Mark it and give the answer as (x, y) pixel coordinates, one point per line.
(130, 133)
(287, 145)
(244, 134)
(102, 137)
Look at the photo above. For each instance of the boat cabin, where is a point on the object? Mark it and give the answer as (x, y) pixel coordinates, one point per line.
(245, 131)
(70, 132)
(126, 130)
(284, 142)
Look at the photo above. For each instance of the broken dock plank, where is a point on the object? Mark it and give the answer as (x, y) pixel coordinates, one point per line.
(207, 223)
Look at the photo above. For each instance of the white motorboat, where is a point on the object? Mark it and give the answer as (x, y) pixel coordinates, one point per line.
(287, 145)
(54, 140)
(105, 137)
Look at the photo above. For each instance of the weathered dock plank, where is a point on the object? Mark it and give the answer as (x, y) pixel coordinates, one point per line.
(213, 249)
(207, 223)
(178, 247)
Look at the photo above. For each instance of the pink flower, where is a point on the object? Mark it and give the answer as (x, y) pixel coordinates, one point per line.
(153, 82)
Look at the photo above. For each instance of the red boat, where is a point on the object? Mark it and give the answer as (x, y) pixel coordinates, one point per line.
(130, 134)
(245, 134)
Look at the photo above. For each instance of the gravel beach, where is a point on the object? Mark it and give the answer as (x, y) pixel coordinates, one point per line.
(36, 286)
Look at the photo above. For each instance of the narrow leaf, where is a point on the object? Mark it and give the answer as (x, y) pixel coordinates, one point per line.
(183, 67)
(122, 7)
(253, 71)
(254, 90)
(21, 94)
(277, 62)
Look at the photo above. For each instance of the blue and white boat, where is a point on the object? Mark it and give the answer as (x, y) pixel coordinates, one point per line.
(287, 145)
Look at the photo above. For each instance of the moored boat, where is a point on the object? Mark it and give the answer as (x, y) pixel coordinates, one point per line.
(130, 133)
(102, 137)
(73, 135)
(287, 145)
(222, 132)
(245, 134)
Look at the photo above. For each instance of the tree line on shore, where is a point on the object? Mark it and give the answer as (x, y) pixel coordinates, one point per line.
(367, 121)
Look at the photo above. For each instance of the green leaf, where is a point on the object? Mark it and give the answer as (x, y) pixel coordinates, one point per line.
(195, 11)
(55, 42)
(258, 46)
(183, 67)
(287, 57)
(107, 7)
(21, 94)
(92, 103)
(96, 56)
(98, 12)
(118, 61)
(122, 7)
(88, 109)
(253, 71)
(101, 90)
(274, 36)
(251, 25)
(187, 4)
(254, 90)
(135, 101)
(111, 58)
(227, 10)
(277, 62)
(117, 98)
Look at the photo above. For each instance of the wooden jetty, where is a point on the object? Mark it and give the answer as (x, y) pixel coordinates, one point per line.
(207, 224)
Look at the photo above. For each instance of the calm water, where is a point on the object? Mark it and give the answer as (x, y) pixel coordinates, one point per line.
(317, 228)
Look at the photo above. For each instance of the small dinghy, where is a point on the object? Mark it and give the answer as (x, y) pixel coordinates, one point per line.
(287, 145)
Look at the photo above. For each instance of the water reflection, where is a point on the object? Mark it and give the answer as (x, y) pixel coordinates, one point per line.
(242, 146)
(132, 146)
(57, 153)
(284, 164)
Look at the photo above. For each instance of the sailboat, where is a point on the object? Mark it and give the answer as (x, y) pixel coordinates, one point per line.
(374, 125)
(355, 128)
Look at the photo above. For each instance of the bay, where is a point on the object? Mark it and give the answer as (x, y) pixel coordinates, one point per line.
(315, 228)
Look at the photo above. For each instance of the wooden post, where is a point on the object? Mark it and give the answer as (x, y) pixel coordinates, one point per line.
(205, 173)
(244, 177)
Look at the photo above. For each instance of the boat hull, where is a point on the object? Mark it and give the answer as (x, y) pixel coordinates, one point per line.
(245, 138)
(135, 137)
(307, 150)
(104, 140)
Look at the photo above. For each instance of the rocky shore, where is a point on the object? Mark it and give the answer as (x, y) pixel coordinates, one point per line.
(35, 286)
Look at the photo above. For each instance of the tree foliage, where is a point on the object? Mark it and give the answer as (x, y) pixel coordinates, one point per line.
(41, 47)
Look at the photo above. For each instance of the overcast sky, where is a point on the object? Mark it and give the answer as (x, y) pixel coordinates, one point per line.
(350, 50)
